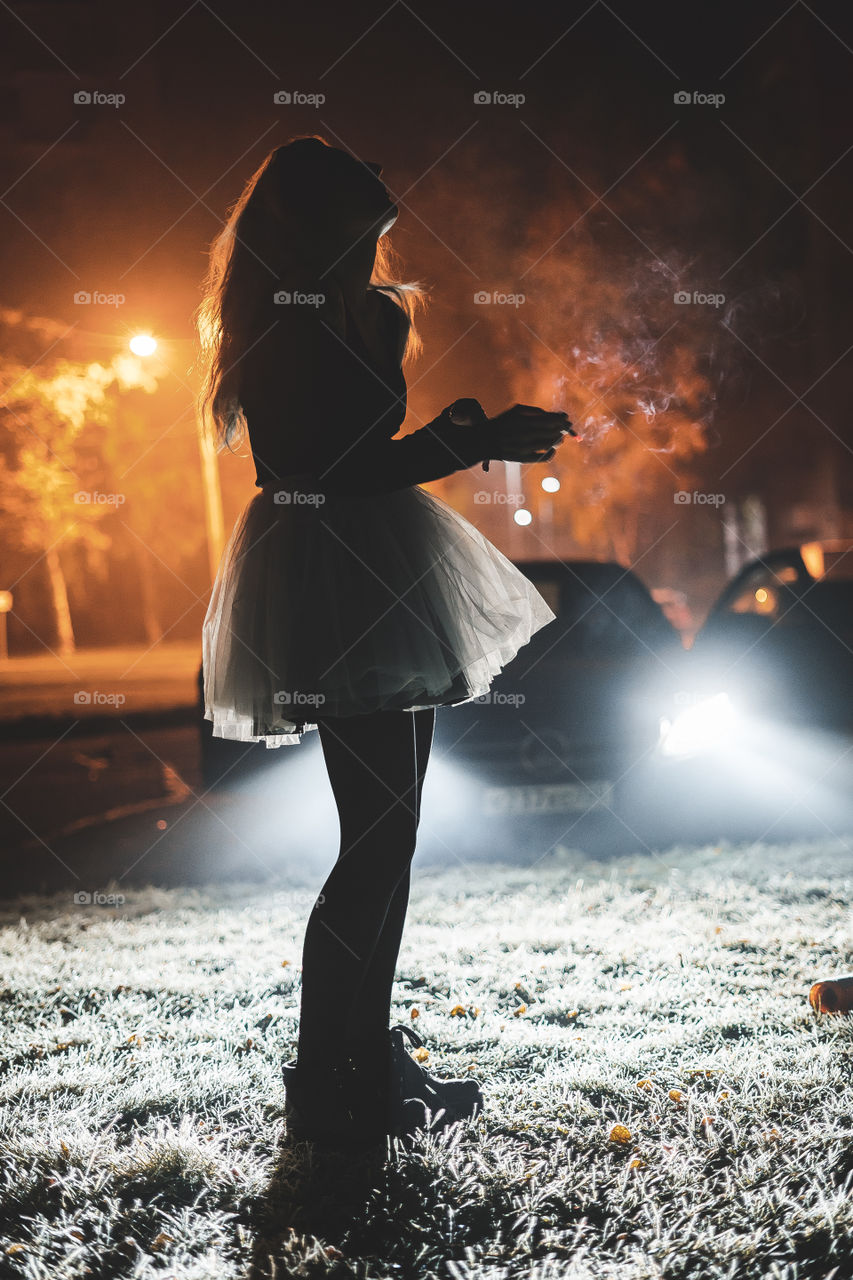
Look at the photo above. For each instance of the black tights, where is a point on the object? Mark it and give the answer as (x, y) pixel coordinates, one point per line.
(376, 765)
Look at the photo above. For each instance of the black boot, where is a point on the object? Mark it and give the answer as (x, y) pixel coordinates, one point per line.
(333, 1105)
(420, 1100)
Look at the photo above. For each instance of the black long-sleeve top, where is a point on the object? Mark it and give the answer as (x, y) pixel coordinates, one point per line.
(317, 404)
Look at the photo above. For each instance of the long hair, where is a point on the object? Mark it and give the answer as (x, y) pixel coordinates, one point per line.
(278, 230)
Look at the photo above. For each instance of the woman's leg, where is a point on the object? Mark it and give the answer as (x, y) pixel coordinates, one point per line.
(372, 765)
(373, 1002)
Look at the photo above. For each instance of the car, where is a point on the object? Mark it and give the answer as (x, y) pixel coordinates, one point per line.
(547, 753)
(544, 756)
(761, 727)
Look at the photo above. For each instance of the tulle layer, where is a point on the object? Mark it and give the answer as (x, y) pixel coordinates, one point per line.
(339, 606)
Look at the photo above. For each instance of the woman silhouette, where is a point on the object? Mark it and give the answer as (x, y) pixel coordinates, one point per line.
(348, 600)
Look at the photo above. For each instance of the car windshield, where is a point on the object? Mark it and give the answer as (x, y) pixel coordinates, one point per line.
(603, 611)
(838, 566)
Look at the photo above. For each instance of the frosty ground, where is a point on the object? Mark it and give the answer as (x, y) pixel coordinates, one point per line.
(661, 1100)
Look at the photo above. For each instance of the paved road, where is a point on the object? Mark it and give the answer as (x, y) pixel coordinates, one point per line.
(56, 784)
(126, 681)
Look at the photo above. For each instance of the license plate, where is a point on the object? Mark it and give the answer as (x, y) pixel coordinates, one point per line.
(563, 797)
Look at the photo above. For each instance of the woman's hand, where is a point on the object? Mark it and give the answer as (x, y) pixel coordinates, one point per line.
(466, 412)
(525, 433)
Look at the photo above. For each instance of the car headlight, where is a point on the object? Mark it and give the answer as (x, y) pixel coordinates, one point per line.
(704, 725)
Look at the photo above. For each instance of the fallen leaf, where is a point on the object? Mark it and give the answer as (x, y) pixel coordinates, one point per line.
(675, 1094)
(620, 1133)
(522, 1008)
(421, 1054)
(644, 1084)
(414, 1013)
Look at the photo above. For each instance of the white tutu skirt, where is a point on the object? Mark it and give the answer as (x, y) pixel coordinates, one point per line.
(339, 606)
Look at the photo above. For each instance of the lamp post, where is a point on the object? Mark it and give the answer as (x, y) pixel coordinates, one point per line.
(143, 345)
(6, 603)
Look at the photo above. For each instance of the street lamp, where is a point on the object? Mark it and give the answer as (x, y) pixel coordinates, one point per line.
(142, 344)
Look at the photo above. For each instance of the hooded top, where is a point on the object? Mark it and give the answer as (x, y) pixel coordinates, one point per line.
(325, 409)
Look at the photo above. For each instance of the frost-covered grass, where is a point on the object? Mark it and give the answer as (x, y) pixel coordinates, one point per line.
(661, 1101)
